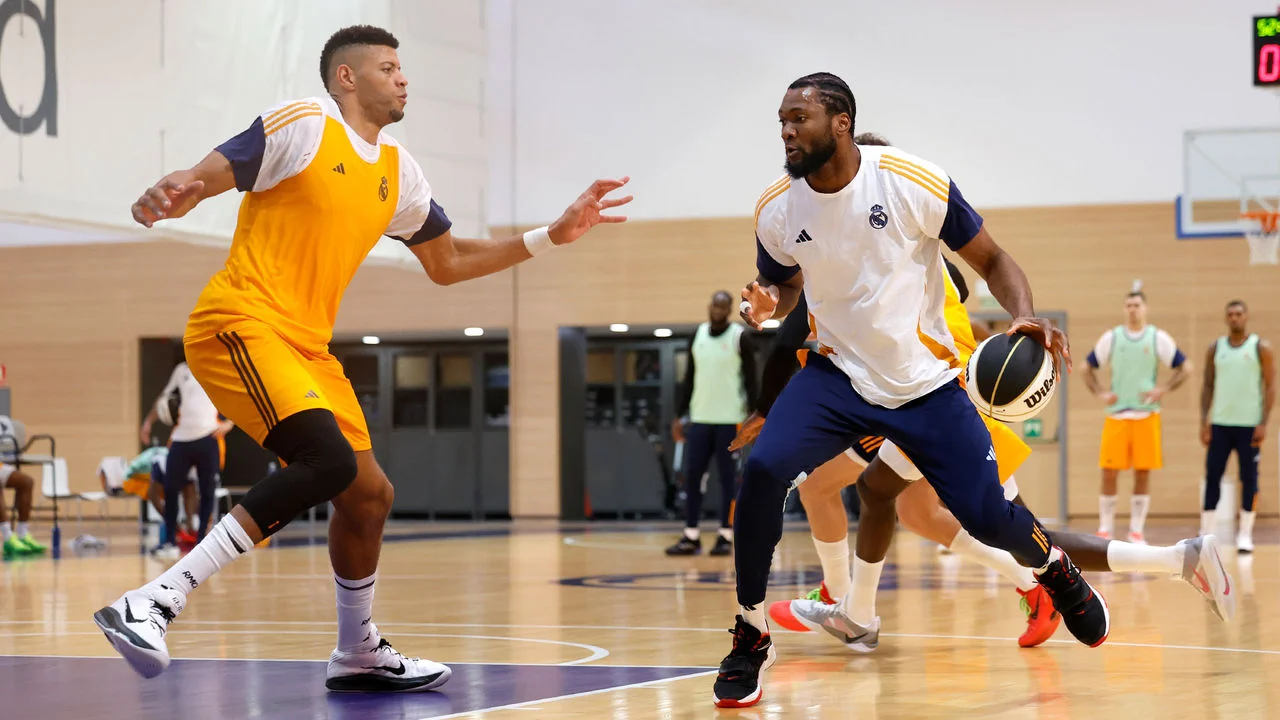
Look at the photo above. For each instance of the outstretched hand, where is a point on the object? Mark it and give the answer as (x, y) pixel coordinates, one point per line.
(758, 303)
(588, 211)
(1053, 339)
(166, 199)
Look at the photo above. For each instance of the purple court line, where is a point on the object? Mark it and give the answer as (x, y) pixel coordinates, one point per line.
(106, 689)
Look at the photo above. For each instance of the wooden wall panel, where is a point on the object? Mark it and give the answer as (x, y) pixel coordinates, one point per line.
(68, 306)
(72, 316)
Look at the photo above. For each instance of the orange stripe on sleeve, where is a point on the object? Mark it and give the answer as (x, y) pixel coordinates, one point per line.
(913, 178)
(924, 173)
(267, 132)
(276, 115)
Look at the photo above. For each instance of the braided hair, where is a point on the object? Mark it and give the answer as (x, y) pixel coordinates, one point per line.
(833, 93)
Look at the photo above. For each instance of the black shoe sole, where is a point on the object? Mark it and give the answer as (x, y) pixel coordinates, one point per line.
(127, 643)
(683, 553)
(383, 684)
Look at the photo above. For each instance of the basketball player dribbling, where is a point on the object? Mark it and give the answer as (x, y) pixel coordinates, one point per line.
(860, 231)
(322, 184)
(921, 512)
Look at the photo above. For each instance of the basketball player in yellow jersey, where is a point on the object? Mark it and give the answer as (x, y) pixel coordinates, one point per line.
(322, 184)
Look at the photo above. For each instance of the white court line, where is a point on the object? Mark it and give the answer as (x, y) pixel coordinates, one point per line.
(641, 547)
(112, 656)
(625, 628)
(557, 698)
(596, 652)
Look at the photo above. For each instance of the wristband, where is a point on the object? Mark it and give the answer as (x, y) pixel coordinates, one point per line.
(538, 241)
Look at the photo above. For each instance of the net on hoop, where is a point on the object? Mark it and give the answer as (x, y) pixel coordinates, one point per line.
(1263, 233)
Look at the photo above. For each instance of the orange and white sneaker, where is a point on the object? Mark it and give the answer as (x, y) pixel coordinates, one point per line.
(780, 611)
(1104, 534)
(1042, 619)
(1137, 538)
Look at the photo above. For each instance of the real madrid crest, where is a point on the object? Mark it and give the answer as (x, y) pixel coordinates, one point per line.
(878, 218)
(382, 189)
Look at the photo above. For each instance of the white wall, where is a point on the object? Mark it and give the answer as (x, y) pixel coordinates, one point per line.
(148, 86)
(1024, 103)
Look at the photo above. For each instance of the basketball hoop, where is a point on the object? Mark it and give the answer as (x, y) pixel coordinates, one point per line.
(1263, 233)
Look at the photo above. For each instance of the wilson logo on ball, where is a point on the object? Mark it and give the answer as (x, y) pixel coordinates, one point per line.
(1041, 393)
(1011, 377)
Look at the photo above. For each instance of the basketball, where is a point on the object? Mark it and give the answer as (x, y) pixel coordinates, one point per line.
(1011, 377)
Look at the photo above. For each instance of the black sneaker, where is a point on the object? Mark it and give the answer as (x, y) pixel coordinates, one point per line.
(685, 547)
(723, 546)
(1083, 610)
(738, 684)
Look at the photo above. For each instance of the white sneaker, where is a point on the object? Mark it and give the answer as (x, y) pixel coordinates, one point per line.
(382, 669)
(1203, 570)
(833, 620)
(1244, 542)
(168, 551)
(136, 625)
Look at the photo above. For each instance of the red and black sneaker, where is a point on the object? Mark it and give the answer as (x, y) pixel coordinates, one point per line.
(738, 684)
(1083, 610)
(1042, 619)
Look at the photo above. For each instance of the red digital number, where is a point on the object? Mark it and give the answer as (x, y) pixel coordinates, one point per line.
(1269, 63)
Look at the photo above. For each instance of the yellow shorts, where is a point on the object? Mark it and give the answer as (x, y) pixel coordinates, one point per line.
(139, 485)
(1131, 444)
(1010, 449)
(256, 379)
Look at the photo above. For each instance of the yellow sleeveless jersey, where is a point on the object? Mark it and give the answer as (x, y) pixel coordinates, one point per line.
(958, 323)
(318, 198)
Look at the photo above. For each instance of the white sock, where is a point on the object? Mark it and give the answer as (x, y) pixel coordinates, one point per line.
(1138, 506)
(1127, 557)
(1107, 513)
(998, 560)
(6, 532)
(860, 601)
(727, 534)
(24, 529)
(692, 533)
(834, 557)
(355, 613)
(754, 617)
(1208, 522)
(224, 543)
(1054, 555)
(1246, 523)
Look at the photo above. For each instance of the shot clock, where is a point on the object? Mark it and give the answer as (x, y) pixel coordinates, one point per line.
(1266, 51)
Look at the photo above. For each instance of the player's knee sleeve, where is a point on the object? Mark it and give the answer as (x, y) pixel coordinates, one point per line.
(320, 465)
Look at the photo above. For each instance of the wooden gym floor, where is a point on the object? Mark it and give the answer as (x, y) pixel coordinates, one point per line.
(573, 621)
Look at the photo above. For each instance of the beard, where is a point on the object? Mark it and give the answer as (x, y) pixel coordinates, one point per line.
(396, 115)
(810, 162)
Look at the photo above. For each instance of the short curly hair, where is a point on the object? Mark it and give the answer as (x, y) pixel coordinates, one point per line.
(354, 35)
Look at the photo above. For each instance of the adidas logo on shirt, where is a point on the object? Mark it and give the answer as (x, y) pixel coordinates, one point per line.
(312, 394)
(339, 169)
(803, 237)
(991, 454)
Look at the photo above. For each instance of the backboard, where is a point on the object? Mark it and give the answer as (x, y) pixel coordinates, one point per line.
(1227, 173)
